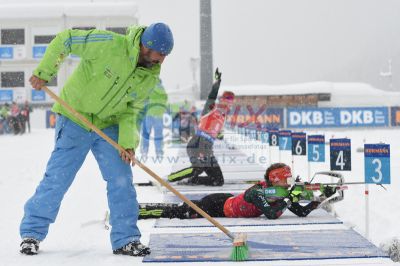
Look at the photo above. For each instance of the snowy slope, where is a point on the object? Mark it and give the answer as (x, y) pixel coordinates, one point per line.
(78, 237)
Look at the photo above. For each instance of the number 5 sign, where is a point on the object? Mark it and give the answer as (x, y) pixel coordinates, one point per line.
(340, 154)
(377, 163)
(316, 148)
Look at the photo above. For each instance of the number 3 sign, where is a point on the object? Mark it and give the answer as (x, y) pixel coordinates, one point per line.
(377, 163)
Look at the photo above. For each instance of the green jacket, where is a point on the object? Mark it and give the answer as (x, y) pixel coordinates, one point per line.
(107, 87)
(157, 103)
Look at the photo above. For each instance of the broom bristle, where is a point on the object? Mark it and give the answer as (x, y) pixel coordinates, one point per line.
(240, 251)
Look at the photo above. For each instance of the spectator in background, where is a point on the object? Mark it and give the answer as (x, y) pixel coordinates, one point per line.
(185, 123)
(4, 114)
(193, 113)
(15, 119)
(153, 119)
(25, 112)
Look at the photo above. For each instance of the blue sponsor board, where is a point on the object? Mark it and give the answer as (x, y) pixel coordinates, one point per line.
(264, 135)
(299, 143)
(285, 140)
(38, 51)
(377, 163)
(253, 133)
(258, 134)
(38, 95)
(259, 116)
(6, 53)
(337, 117)
(340, 154)
(395, 116)
(316, 148)
(6, 95)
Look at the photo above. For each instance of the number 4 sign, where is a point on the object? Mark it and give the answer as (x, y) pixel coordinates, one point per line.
(340, 154)
(377, 163)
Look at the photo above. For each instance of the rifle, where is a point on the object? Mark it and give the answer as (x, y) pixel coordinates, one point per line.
(338, 186)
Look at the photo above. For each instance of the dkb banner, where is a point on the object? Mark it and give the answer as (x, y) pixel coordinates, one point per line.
(337, 117)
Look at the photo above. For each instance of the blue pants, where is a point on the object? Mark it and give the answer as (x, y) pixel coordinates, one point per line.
(72, 145)
(156, 123)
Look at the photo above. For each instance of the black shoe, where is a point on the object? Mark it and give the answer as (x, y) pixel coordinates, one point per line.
(29, 246)
(134, 248)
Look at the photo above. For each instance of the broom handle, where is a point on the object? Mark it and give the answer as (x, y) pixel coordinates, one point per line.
(145, 168)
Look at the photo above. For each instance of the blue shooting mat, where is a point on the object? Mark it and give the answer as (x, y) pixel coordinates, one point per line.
(263, 246)
(318, 216)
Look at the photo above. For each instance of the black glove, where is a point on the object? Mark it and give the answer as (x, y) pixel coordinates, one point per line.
(314, 204)
(217, 74)
(329, 191)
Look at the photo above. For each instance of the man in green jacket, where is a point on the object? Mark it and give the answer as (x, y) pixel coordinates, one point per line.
(109, 87)
(154, 111)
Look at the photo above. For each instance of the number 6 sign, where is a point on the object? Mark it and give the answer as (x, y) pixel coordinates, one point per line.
(299, 143)
(377, 163)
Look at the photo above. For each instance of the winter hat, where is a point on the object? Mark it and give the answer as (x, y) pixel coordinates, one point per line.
(158, 37)
(228, 97)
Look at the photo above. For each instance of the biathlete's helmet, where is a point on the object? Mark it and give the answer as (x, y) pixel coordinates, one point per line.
(227, 97)
(276, 172)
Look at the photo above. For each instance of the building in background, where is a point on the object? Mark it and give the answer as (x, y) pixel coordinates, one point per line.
(25, 32)
(313, 94)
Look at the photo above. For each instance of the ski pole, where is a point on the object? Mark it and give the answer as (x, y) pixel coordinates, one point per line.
(238, 241)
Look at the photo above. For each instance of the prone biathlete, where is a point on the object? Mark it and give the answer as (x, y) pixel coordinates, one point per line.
(270, 197)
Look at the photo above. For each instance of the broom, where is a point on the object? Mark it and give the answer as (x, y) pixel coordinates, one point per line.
(240, 249)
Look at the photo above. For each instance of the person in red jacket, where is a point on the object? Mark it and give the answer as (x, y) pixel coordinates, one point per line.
(270, 197)
(200, 146)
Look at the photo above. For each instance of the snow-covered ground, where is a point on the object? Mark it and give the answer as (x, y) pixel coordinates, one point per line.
(78, 237)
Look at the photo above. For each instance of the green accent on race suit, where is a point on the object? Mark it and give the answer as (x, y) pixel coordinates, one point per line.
(278, 192)
(144, 212)
(180, 175)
